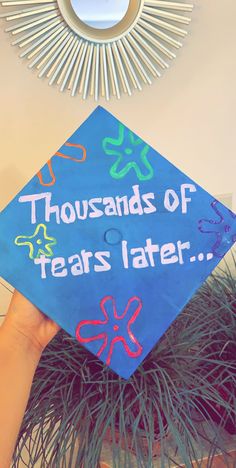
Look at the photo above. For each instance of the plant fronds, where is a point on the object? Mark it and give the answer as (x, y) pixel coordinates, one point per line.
(187, 381)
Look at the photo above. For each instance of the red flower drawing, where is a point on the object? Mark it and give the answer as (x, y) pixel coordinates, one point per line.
(114, 328)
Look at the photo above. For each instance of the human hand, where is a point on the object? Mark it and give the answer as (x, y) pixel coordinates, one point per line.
(26, 323)
(23, 336)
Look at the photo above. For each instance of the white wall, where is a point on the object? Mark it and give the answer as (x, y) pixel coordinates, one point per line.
(188, 115)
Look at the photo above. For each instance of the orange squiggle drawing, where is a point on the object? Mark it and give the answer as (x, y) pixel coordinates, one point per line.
(61, 155)
(39, 174)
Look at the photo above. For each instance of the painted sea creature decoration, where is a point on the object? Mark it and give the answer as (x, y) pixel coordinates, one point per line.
(111, 241)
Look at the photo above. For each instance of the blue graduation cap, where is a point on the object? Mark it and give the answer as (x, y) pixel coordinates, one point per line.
(111, 241)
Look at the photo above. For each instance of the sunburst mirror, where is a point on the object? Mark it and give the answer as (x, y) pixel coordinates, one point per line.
(98, 47)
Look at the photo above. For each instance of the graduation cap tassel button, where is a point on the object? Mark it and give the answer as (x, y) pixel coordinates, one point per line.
(113, 236)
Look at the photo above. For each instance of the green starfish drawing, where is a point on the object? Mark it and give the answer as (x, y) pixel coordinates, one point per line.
(39, 238)
(131, 152)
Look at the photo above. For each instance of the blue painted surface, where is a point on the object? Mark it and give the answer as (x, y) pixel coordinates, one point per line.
(149, 297)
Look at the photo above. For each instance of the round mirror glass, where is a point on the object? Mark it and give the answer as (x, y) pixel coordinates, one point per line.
(100, 14)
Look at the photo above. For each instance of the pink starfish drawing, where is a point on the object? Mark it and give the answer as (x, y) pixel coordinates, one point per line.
(114, 328)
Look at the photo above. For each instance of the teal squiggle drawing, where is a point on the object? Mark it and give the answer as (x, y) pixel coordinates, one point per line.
(127, 145)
